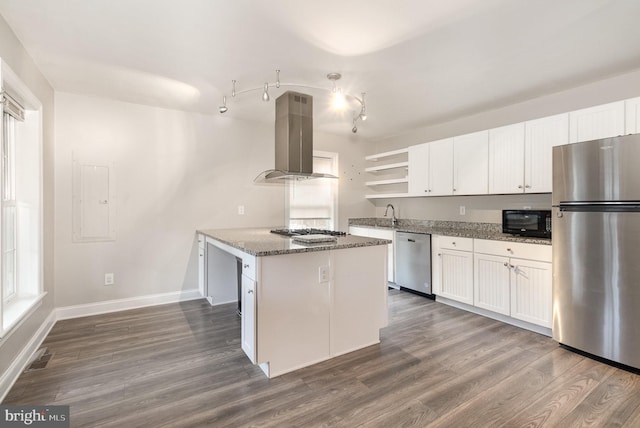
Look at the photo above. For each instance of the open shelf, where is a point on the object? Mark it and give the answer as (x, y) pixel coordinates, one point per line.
(388, 181)
(388, 195)
(387, 166)
(379, 156)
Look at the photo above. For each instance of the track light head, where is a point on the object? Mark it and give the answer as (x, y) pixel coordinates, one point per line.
(223, 108)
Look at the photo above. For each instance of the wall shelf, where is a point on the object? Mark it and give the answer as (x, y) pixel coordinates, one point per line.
(387, 166)
(389, 181)
(379, 156)
(389, 195)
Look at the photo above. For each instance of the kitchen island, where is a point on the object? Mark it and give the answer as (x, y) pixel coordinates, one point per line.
(301, 303)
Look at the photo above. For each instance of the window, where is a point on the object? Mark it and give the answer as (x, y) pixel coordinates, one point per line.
(314, 203)
(21, 202)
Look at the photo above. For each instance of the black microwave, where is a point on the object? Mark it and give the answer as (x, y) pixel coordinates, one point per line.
(534, 223)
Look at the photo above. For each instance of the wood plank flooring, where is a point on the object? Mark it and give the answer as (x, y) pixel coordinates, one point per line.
(180, 365)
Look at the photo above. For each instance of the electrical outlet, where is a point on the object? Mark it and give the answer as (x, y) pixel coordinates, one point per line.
(240, 209)
(527, 207)
(108, 279)
(463, 210)
(323, 274)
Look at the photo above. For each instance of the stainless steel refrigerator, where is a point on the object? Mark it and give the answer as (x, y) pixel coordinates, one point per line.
(596, 247)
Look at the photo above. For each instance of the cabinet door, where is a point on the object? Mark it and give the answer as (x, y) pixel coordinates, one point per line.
(471, 164)
(441, 167)
(249, 318)
(592, 123)
(491, 282)
(419, 169)
(531, 291)
(540, 137)
(456, 275)
(632, 119)
(202, 265)
(506, 159)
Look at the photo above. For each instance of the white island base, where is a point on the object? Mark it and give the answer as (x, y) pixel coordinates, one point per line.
(301, 308)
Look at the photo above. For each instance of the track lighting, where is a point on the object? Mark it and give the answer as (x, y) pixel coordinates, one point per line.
(340, 100)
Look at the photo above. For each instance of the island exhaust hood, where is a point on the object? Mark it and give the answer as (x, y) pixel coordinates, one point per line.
(293, 140)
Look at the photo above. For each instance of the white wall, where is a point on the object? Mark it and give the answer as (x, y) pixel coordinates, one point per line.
(488, 208)
(13, 53)
(175, 172)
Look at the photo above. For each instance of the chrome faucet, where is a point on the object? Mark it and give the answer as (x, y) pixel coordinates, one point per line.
(394, 220)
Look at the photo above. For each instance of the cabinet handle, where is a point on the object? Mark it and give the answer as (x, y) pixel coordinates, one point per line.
(519, 186)
(509, 250)
(439, 254)
(454, 189)
(250, 291)
(453, 243)
(527, 187)
(506, 264)
(245, 266)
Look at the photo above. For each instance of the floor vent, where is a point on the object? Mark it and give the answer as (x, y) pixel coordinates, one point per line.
(40, 360)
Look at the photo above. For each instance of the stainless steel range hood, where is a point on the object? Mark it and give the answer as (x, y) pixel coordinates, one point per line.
(293, 140)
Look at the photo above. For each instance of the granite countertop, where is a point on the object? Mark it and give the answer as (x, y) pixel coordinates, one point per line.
(491, 231)
(261, 242)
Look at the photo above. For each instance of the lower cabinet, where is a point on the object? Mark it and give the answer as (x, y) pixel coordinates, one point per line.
(453, 268)
(491, 283)
(507, 278)
(249, 317)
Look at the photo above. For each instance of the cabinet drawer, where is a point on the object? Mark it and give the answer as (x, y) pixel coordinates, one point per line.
(455, 243)
(249, 266)
(514, 249)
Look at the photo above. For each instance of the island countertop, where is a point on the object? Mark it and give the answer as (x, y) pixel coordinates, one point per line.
(261, 242)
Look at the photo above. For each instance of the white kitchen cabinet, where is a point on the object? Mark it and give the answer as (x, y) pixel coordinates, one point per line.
(506, 154)
(601, 121)
(419, 169)
(514, 279)
(202, 265)
(441, 167)
(453, 268)
(370, 232)
(491, 278)
(540, 137)
(471, 164)
(531, 298)
(632, 116)
(431, 168)
(248, 334)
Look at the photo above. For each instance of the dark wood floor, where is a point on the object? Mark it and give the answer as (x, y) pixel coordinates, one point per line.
(181, 365)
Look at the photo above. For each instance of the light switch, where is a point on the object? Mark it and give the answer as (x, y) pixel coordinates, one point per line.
(240, 209)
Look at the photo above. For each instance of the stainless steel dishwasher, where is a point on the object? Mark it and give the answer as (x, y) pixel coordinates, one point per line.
(413, 261)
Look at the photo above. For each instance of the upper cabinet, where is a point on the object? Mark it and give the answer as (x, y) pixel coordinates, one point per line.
(430, 168)
(511, 159)
(540, 137)
(520, 155)
(506, 159)
(471, 164)
(632, 119)
(601, 121)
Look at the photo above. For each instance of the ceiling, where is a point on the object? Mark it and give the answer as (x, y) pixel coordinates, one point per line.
(420, 62)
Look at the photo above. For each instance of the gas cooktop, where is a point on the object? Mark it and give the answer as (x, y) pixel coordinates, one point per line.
(311, 231)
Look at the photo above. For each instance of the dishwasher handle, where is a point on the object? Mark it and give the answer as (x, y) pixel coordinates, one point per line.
(411, 240)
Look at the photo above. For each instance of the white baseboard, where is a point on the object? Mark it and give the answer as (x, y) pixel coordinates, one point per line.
(76, 311)
(19, 364)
